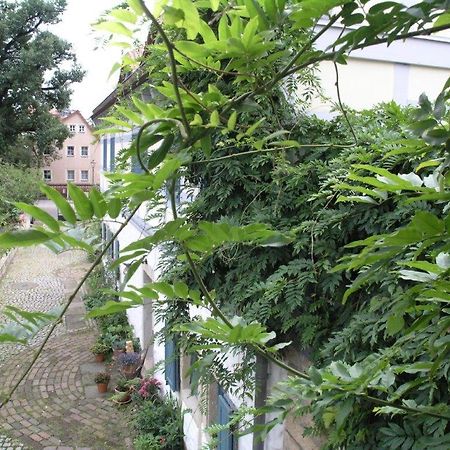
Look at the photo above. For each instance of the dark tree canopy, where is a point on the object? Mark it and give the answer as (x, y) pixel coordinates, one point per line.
(36, 70)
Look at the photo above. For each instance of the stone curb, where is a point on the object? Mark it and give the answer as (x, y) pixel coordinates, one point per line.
(5, 261)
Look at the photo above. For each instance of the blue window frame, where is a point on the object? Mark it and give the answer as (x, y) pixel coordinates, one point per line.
(226, 438)
(112, 154)
(172, 364)
(105, 154)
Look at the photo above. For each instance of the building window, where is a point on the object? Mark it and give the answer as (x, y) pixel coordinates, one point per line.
(71, 175)
(47, 175)
(70, 150)
(172, 364)
(84, 152)
(72, 128)
(81, 128)
(84, 175)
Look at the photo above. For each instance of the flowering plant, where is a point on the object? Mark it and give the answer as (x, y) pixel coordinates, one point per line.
(129, 359)
(150, 388)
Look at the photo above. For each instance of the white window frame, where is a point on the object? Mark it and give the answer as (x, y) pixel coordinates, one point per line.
(81, 129)
(43, 175)
(73, 151)
(67, 175)
(72, 128)
(81, 175)
(81, 151)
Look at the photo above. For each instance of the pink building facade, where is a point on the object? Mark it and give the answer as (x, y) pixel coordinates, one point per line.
(78, 161)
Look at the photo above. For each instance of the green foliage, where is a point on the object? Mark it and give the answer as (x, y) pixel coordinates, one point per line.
(114, 328)
(394, 347)
(17, 184)
(37, 70)
(159, 422)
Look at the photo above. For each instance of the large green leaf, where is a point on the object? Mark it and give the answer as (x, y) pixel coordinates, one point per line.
(114, 208)
(61, 203)
(98, 203)
(24, 238)
(81, 202)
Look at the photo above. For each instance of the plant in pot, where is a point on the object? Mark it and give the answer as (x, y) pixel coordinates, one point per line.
(99, 349)
(129, 364)
(123, 390)
(118, 348)
(150, 389)
(121, 398)
(102, 380)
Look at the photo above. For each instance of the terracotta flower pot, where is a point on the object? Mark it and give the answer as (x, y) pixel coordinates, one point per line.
(102, 387)
(129, 372)
(100, 357)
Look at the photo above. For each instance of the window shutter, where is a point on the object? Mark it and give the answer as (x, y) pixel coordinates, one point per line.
(226, 439)
(105, 154)
(112, 154)
(172, 364)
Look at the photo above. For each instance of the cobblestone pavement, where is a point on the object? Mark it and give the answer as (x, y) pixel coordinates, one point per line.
(57, 406)
(38, 280)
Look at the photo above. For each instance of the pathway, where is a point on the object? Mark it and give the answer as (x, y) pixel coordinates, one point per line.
(57, 406)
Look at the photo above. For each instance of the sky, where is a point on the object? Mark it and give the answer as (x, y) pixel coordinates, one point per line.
(75, 27)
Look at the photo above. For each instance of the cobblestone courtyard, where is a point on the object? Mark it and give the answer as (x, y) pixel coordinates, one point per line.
(57, 406)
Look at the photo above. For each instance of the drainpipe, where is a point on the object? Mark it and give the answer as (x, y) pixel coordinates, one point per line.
(261, 375)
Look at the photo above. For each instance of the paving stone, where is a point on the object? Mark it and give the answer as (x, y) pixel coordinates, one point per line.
(57, 407)
(91, 367)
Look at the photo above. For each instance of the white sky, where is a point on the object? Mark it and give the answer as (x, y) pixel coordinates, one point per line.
(97, 62)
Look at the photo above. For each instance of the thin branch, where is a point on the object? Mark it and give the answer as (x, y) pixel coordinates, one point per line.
(8, 396)
(267, 150)
(338, 91)
(306, 47)
(173, 64)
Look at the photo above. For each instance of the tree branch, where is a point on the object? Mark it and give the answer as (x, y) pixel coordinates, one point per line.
(173, 64)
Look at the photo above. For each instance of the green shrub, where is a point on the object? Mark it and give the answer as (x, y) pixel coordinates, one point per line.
(162, 420)
(147, 442)
(17, 184)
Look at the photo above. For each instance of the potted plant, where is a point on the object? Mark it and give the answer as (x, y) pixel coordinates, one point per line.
(129, 363)
(150, 388)
(118, 348)
(99, 349)
(121, 398)
(102, 380)
(123, 385)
